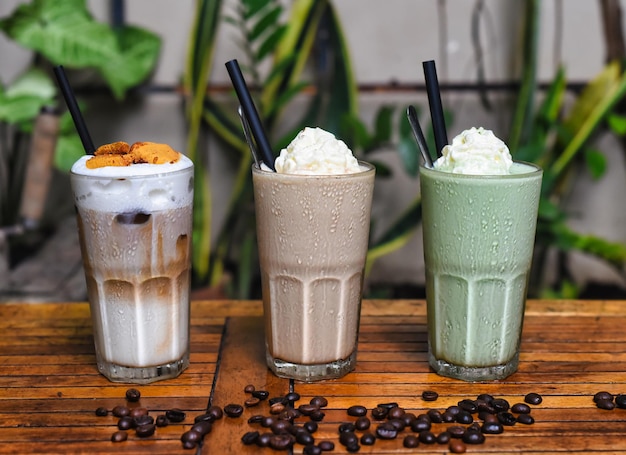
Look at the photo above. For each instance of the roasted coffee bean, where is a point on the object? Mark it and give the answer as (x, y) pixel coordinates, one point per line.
(533, 398)
(620, 401)
(379, 413)
(604, 396)
(398, 424)
(352, 448)
(145, 431)
(492, 428)
(429, 395)
(362, 423)
(305, 438)
(203, 428)
(307, 409)
(175, 415)
(457, 446)
(102, 412)
(317, 416)
(144, 420)
(204, 417)
(454, 410)
(410, 441)
(133, 395)
(280, 426)
(264, 439)
(386, 431)
(119, 436)
(281, 400)
(448, 417)
(275, 409)
(320, 402)
(257, 418)
(390, 405)
(310, 426)
(348, 438)
(427, 437)
(346, 427)
(120, 411)
(290, 414)
(607, 405)
(292, 396)
(126, 423)
(525, 419)
(520, 408)
(357, 411)
(138, 412)
(435, 416)
(468, 405)
(327, 446)
(281, 441)
(473, 427)
(233, 410)
(419, 425)
(191, 436)
(368, 439)
(312, 449)
(506, 418)
(162, 421)
(464, 418)
(500, 405)
(249, 389)
(250, 402)
(261, 394)
(188, 445)
(395, 413)
(216, 412)
(485, 397)
(267, 421)
(489, 418)
(407, 418)
(483, 406)
(473, 437)
(443, 437)
(249, 438)
(456, 431)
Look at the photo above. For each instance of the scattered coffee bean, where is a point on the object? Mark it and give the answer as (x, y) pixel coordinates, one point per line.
(317, 416)
(443, 437)
(435, 416)
(275, 409)
(492, 427)
(410, 441)
(398, 424)
(162, 421)
(311, 449)
(292, 396)
(525, 419)
(268, 421)
(249, 389)
(464, 418)
(395, 413)
(533, 398)
(379, 413)
(280, 426)
(257, 418)
(429, 395)
(607, 405)
(485, 397)
(468, 406)
(362, 423)
(473, 437)
(419, 425)
(487, 416)
(408, 417)
(357, 411)
(605, 396)
(191, 436)
(506, 418)
(233, 410)
(126, 423)
(386, 431)
(327, 446)
(348, 438)
(138, 412)
(281, 400)
(456, 431)
(143, 420)
(264, 439)
(457, 446)
(427, 437)
(346, 427)
(305, 438)
(175, 415)
(320, 402)
(520, 408)
(145, 431)
(500, 405)
(216, 412)
(133, 395)
(368, 439)
(290, 414)
(281, 441)
(252, 401)
(310, 426)
(454, 410)
(388, 406)
(189, 445)
(251, 437)
(352, 448)
(119, 436)
(448, 417)
(102, 412)
(120, 411)
(307, 409)
(620, 401)
(203, 428)
(261, 394)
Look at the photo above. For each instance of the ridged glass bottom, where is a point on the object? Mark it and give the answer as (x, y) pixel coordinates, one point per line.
(474, 374)
(143, 375)
(312, 373)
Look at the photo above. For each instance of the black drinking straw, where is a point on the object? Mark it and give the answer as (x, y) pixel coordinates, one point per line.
(250, 112)
(436, 109)
(72, 105)
(411, 114)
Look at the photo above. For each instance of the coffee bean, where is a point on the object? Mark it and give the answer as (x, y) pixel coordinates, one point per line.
(473, 427)
(189, 445)
(457, 446)
(387, 405)
(607, 405)
(533, 398)
(456, 431)
(520, 408)
(525, 419)
(487, 416)
(133, 395)
(216, 412)
(257, 418)
(311, 450)
(386, 431)
(492, 428)
(119, 436)
(468, 405)
(102, 412)
(310, 426)
(443, 437)
(352, 448)
(395, 413)
(249, 438)
(320, 402)
(145, 431)
(261, 394)
(362, 423)
(304, 437)
(249, 389)
(276, 408)
(280, 426)
(427, 437)
(357, 411)
(203, 428)
(410, 441)
(317, 416)
(448, 417)
(419, 425)
(346, 427)
(407, 418)
(264, 439)
(120, 411)
(348, 438)
(500, 405)
(267, 421)
(281, 441)
(485, 397)
(290, 414)
(398, 424)
(281, 400)
(379, 413)
(454, 410)
(143, 420)
(175, 415)
(233, 410)
(162, 421)
(429, 395)
(126, 423)
(307, 409)
(191, 436)
(327, 446)
(473, 437)
(620, 401)
(292, 396)
(464, 418)
(435, 416)
(138, 412)
(506, 418)
(604, 396)
(252, 401)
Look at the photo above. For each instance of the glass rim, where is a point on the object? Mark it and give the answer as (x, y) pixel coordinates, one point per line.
(370, 169)
(537, 170)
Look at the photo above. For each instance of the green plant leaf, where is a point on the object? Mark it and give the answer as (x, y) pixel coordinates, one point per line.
(69, 148)
(617, 123)
(383, 125)
(265, 23)
(596, 163)
(269, 44)
(567, 240)
(34, 82)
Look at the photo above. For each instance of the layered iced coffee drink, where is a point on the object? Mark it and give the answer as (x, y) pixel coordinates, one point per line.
(479, 217)
(313, 218)
(134, 213)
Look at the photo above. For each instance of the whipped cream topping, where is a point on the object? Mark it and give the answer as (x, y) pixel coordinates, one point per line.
(476, 151)
(315, 151)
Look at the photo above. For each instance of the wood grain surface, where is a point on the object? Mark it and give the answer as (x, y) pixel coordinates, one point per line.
(50, 388)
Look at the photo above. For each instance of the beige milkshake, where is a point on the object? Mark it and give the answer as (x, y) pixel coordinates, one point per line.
(313, 218)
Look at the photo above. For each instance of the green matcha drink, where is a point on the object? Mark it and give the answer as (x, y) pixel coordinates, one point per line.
(479, 233)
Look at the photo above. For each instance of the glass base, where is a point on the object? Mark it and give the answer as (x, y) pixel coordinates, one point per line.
(312, 373)
(473, 374)
(143, 375)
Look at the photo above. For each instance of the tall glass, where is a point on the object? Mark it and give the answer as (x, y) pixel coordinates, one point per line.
(313, 236)
(135, 237)
(479, 233)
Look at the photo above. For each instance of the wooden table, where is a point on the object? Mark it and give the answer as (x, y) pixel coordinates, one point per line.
(49, 386)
